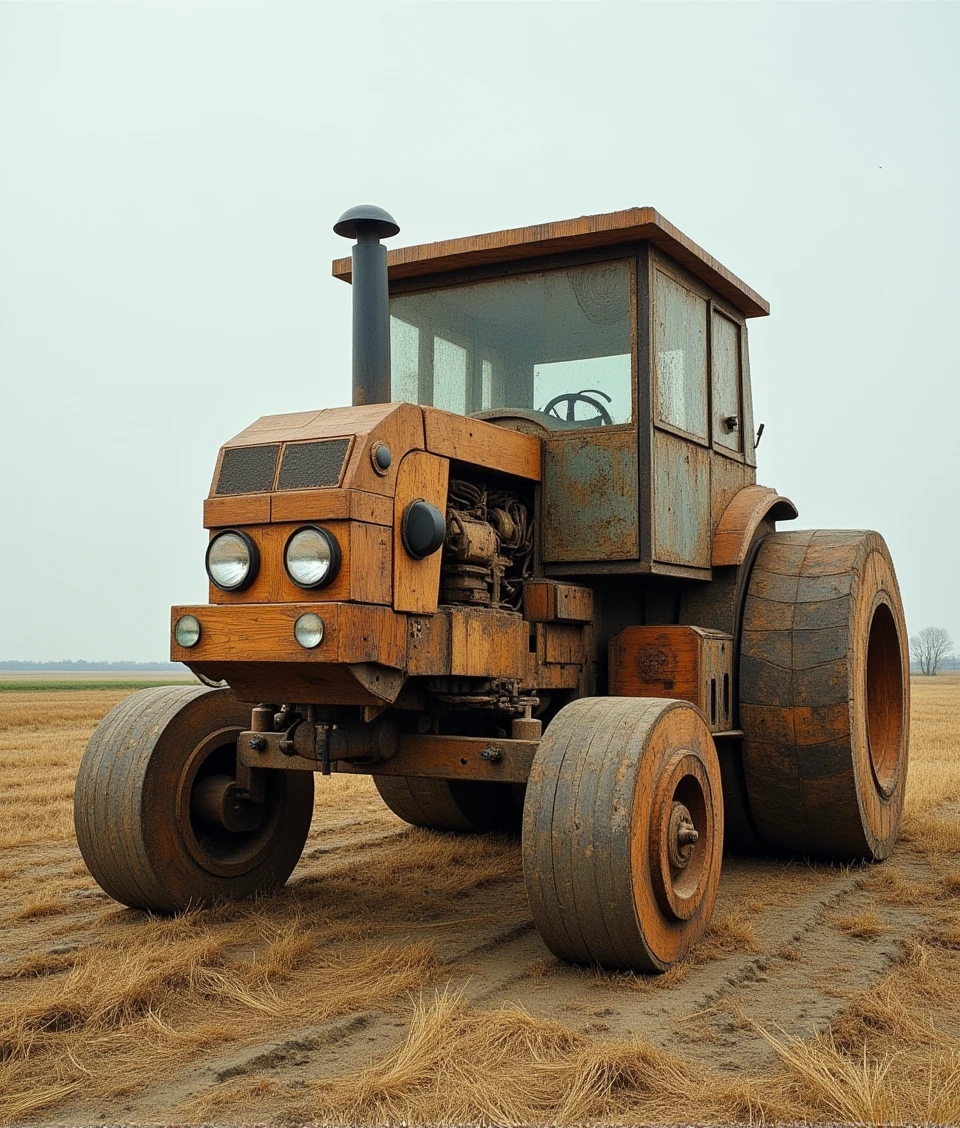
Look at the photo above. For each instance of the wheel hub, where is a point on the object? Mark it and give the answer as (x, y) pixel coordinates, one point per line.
(218, 803)
(682, 836)
(225, 833)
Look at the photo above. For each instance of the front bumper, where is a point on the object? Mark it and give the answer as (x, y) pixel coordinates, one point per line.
(360, 661)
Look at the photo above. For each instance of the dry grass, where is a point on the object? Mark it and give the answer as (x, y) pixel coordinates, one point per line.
(457, 1064)
(862, 926)
(99, 1003)
(931, 821)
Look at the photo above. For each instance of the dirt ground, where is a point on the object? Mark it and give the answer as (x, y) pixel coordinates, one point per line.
(399, 975)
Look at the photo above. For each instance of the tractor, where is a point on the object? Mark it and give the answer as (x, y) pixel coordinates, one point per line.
(529, 583)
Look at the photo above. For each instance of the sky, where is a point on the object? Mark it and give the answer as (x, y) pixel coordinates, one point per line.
(170, 174)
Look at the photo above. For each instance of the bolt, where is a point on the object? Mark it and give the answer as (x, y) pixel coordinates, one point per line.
(491, 754)
(258, 743)
(687, 835)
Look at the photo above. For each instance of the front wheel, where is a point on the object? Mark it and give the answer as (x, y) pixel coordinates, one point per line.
(159, 820)
(623, 832)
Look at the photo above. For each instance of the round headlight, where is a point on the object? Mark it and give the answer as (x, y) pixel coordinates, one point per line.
(312, 557)
(232, 561)
(308, 630)
(187, 631)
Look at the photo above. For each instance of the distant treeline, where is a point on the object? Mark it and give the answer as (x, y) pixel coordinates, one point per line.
(92, 667)
(951, 663)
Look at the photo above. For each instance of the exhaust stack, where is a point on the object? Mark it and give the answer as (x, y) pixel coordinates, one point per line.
(371, 300)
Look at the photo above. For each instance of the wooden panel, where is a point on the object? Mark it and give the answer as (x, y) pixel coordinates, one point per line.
(241, 509)
(468, 642)
(398, 425)
(545, 600)
(371, 573)
(329, 505)
(566, 666)
(365, 572)
(454, 757)
(687, 663)
(727, 479)
(487, 644)
(741, 518)
(681, 501)
(482, 444)
(353, 632)
(591, 497)
(428, 644)
(586, 232)
(416, 583)
(304, 682)
(564, 643)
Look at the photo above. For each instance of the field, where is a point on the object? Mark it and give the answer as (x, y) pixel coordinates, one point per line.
(398, 975)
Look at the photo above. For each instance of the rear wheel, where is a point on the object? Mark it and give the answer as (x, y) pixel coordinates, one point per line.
(825, 694)
(623, 832)
(159, 819)
(466, 805)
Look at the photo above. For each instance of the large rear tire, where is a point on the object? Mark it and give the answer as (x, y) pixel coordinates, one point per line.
(623, 832)
(469, 806)
(158, 821)
(825, 694)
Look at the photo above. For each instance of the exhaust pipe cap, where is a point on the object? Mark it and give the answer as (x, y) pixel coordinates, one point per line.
(367, 218)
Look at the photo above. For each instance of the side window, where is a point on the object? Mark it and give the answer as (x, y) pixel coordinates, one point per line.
(727, 408)
(681, 356)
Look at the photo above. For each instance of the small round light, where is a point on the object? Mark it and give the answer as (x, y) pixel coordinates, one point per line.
(308, 630)
(382, 458)
(312, 557)
(232, 561)
(187, 631)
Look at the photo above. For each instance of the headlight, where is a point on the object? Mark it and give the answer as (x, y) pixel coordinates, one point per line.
(312, 557)
(308, 630)
(232, 561)
(187, 631)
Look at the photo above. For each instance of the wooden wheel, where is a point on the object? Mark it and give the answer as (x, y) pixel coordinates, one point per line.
(157, 816)
(623, 832)
(825, 694)
(471, 806)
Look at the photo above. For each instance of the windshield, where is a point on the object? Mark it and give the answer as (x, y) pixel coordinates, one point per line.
(556, 344)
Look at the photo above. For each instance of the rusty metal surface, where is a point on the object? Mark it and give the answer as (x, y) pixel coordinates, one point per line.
(455, 757)
(591, 497)
(681, 501)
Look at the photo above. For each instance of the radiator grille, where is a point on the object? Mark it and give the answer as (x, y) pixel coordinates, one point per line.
(248, 469)
(310, 466)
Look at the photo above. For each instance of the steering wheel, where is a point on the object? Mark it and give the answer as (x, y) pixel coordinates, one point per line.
(571, 399)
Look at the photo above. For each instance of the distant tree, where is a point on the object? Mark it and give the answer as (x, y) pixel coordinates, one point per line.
(929, 648)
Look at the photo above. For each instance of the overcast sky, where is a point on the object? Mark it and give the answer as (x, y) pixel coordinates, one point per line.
(169, 175)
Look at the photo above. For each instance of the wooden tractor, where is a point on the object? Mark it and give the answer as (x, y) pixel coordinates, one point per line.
(527, 582)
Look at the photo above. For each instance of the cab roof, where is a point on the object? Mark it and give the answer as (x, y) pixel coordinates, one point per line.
(586, 232)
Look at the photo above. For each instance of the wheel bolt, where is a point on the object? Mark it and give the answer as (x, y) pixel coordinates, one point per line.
(687, 835)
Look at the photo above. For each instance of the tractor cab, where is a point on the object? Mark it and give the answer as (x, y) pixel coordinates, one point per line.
(617, 341)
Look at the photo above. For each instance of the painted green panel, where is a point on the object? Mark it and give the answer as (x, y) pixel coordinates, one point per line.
(681, 501)
(591, 498)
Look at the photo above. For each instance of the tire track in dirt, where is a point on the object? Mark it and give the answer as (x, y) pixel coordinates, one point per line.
(797, 980)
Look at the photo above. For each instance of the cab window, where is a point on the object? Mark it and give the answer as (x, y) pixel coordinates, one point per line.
(556, 344)
(725, 353)
(680, 328)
